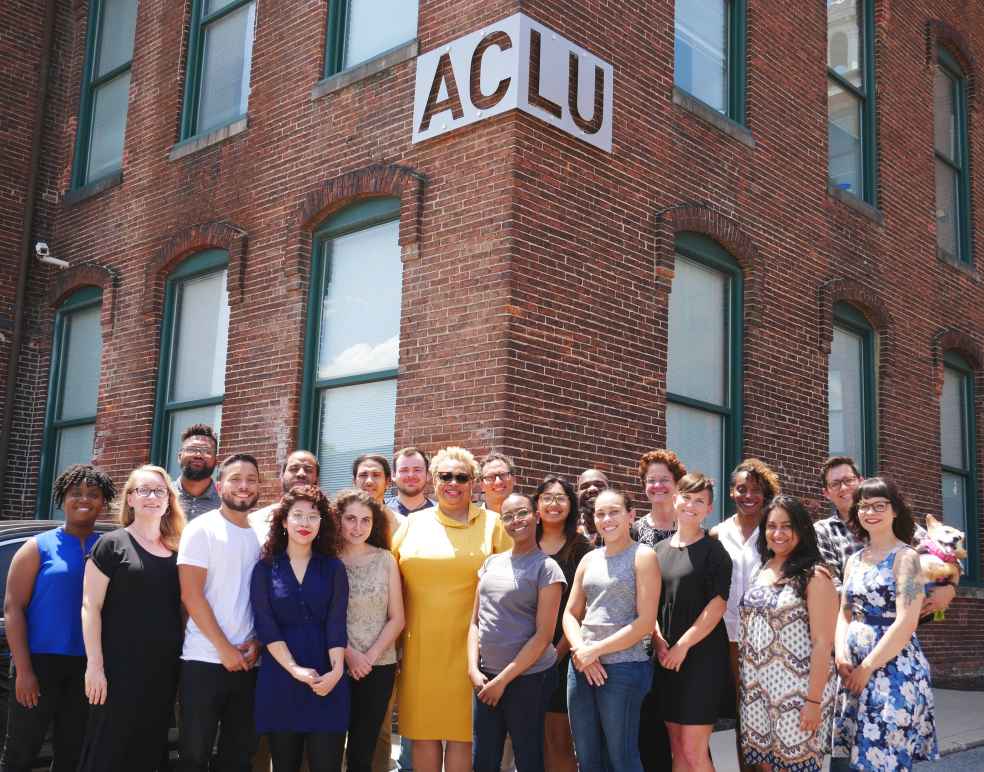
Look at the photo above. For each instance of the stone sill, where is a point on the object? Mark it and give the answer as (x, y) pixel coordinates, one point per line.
(214, 137)
(970, 591)
(853, 202)
(366, 69)
(708, 114)
(967, 269)
(77, 195)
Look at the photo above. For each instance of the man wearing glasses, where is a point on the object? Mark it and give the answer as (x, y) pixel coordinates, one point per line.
(497, 480)
(197, 459)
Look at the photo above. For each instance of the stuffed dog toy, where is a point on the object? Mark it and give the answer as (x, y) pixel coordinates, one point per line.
(940, 551)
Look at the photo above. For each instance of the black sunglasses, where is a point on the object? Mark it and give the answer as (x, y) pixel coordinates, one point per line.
(461, 478)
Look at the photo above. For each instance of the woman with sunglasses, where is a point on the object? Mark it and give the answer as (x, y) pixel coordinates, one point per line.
(131, 623)
(299, 591)
(439, 551)
(885, 712)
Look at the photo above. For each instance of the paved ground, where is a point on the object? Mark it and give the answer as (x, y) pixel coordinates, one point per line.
(964, 761)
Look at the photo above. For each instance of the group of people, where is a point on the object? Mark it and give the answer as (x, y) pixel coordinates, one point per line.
(552, 630)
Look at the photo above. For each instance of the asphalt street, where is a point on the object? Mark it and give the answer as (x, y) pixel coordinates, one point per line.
(965, 761)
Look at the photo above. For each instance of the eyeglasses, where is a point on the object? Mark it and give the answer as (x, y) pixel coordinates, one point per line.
(553, 498)
(660, 481)
(197, 450)
(459, 477)
(145, 493)
(521, 514)
(844, 482)
(491, 478)
(879, 507)
(299, 519)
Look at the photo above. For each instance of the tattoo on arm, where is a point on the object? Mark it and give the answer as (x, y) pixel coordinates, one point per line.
(909, 584)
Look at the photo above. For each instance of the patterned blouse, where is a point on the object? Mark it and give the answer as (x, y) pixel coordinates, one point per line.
(368, 604)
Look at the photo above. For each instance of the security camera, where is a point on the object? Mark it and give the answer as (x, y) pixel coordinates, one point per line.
(44, 255)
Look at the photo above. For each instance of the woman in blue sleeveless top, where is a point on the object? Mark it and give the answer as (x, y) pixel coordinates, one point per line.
(44, 626)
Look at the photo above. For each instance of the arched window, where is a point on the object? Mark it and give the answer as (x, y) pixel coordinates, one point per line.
(353, 338)
(851, 416)
(958, 452)
(703, 371)
(73, 391)
(194, 339)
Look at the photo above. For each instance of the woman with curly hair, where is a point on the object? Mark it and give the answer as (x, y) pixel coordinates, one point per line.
(374, 619)
(299, 591)
(753, 485)
(131, 623)
(44, 628)
(787, 697)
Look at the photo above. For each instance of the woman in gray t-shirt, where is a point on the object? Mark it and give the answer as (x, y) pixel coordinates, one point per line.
(510, 654)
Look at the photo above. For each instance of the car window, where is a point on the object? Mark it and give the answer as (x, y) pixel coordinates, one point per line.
(7, 550)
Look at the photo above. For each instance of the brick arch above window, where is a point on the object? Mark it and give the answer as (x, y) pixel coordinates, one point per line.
(196, 238)
(726, 231)
(941, 35)
(86, 275)
(952, 339)
(867, 302)
(393, 180)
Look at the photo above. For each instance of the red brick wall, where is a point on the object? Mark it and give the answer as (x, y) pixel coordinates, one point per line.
(536, 268)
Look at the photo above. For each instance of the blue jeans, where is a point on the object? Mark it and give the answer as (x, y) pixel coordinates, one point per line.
(405, 764)
(520, 712)
(605, 719)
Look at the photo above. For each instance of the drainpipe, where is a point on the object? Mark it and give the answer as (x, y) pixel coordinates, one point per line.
(26, 248)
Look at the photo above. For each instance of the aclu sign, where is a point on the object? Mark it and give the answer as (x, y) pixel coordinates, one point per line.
(514, 63)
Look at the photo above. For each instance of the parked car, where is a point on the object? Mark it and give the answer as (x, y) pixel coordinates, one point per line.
(13, 533)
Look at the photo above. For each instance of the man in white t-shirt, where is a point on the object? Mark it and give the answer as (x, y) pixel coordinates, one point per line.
(215, 563)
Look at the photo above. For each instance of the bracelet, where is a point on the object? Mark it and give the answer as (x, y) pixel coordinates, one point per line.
(815, 702)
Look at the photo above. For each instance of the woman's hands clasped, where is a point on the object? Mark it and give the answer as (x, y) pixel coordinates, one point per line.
(585, 659)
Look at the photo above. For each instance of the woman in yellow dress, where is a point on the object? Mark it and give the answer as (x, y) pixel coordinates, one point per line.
(439, 551)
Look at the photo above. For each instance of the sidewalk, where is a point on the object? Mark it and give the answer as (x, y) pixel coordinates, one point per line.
(959, 725)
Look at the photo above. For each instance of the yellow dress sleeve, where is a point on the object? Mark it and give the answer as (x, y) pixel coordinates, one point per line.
(398, 537)
(501, 541)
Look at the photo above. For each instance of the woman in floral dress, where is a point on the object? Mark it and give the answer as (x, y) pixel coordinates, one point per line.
(885, 711)
(786, 637)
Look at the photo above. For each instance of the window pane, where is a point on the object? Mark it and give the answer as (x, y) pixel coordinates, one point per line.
(697, 436)
(225, 68)
(375, 26)
(944, 115)
(954, 501)
(109, 105)
(354, 420)
(119, 18)
(360, 315)
(952, 407)
(202, 328)
(180, 420)
(844, 138)
(845, 395)
(701, 50)
(74, 446)
(844, 40)
(81, 364)
(698, 333)
(947, 215)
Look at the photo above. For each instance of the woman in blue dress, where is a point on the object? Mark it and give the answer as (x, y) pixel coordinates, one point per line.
(885, 707)
(299, 593)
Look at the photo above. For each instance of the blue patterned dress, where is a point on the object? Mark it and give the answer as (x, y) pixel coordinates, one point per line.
(890, 725)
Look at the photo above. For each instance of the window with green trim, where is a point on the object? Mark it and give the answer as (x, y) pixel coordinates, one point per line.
(709, 53)
(73, 391)
(952, 160)
(105, 90)
(851, 389)
(958, 452)
(194, 340)
(850, 97)
(220, 52)
(703, 370)
(359, 30)
(353, 338)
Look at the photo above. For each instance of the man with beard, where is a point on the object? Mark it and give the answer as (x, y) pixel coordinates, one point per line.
(411, 478)
(589, 485)
(216, 557)
(300, 468)
(197, 459)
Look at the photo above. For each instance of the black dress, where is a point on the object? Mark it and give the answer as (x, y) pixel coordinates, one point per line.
(702, 691)
(141, 643)
(568, 563)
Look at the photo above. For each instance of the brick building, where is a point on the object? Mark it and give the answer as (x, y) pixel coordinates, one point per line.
(776, 257)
